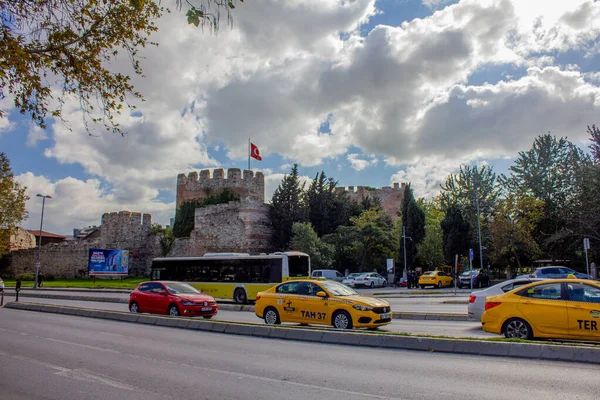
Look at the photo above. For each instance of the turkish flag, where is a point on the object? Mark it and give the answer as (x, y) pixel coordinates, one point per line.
(254, 153)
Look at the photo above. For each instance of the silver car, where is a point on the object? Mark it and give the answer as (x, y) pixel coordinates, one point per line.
(350, 280)
(477, 299)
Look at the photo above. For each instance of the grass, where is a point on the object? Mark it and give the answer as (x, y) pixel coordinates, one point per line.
(126, 283)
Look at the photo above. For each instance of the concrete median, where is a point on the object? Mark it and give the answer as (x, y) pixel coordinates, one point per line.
(544, 351)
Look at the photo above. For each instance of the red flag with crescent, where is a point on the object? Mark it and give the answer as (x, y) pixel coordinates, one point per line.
(254, 153)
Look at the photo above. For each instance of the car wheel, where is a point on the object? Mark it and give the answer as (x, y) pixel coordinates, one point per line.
(239, 296)
(440, 284)
(516, 328)
(372, 285)
(134, 308)
(271, 316)
(422, 286)
(341, 320)
(459, 285)
(384, 283)
(173, 311)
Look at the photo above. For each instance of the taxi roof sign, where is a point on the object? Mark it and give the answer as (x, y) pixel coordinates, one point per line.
(571, 276)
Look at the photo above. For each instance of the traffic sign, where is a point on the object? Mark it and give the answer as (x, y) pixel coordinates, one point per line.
(471, 254)
(586, 243)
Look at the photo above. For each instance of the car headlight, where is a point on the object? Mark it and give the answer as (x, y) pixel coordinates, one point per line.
(362, 308)
(188, 303)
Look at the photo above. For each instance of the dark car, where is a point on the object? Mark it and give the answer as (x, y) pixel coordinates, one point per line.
(171, 298)
(558, 272)
(479, 276)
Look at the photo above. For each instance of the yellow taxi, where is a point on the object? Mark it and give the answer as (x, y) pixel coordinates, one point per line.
(435, 278)
(554, 308)
(321, 302)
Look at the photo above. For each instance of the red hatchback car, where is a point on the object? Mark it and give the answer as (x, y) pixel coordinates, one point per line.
(171, 298)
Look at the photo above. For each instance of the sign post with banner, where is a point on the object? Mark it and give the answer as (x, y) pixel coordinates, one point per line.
(108, 262)
(471, 268)
(390, 271)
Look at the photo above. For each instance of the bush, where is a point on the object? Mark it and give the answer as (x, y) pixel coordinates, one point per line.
(25, 277)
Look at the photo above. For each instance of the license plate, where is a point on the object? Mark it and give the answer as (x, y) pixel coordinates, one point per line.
(206, 309)
(384, 316)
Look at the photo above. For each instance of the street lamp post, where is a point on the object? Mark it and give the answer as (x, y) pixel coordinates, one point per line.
(479, 223)
(404, 239)
(39, 258)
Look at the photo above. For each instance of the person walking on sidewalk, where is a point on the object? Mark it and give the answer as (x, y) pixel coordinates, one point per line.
(41, 279)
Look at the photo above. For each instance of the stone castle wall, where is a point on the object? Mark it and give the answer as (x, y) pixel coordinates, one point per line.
(21, 239)
(123, 230)
(391, 197)
(198, 187)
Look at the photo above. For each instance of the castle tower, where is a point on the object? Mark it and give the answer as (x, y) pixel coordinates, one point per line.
(198, 187)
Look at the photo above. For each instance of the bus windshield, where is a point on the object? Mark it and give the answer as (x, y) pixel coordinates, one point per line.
(298, 266)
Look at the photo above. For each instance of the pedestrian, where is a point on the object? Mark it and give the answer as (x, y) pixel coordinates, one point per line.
(409, 278)
(593, 270)
(41, 279)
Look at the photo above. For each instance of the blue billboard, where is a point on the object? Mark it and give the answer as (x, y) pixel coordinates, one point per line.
(108, 262)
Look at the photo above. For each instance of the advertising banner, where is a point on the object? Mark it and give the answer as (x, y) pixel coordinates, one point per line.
(108, 262)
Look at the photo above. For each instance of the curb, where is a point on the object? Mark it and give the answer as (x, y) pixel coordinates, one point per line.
(75, 290)
(583, 353)
(73, 298)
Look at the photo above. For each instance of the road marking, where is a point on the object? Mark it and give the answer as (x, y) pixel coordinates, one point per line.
(92, 377)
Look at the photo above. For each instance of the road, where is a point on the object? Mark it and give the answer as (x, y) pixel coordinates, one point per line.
(414, 303)
(429, 327)
(71, 358)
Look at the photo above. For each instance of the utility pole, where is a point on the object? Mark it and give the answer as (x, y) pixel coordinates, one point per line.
(39, 258)
(404, 246)
(479, 224)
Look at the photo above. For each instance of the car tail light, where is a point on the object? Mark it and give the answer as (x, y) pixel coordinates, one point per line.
(491, 304)
(365, 279)
(472, 299)
(257, 297)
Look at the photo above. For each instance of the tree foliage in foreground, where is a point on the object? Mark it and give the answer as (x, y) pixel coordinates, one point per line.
(413, 221)
(51, 50)
(287, 206)
(305, 239)
(12, 204)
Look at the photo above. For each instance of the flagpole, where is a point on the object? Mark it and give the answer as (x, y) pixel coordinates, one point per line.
(249, 178)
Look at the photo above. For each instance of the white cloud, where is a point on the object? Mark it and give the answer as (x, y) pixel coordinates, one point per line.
(272, 181)
(35, 135)
(76, 203)
(6, 104)
(360, 164)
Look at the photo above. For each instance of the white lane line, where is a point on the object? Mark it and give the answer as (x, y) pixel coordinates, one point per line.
(68, 372)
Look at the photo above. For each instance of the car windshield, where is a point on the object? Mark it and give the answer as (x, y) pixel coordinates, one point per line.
(337, 289)
(181, 288)
(467, 273)
(429, 273)
(353, 276)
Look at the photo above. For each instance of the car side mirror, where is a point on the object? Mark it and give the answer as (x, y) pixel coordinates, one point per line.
(321, 294)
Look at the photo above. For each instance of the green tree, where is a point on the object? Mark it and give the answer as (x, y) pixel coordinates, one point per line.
(455, 234)
(413, 220)
(551, 172)
(595, 139)
(305, 239)
(369, 202)
(513, 227)
(287, 206)
(12, 204)
(367, 241)
(430, 252)
(69, 45)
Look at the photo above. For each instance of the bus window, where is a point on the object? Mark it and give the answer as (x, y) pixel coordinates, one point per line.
(298, 266)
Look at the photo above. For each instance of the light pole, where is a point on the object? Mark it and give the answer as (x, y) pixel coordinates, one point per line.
(404, 246)
(479, 223)
(39, 258)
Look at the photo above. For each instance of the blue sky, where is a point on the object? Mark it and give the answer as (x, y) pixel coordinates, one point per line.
(371, 92)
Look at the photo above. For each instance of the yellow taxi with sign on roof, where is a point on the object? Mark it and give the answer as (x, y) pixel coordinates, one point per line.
(322, 302)
(435, 278)
(553, 308)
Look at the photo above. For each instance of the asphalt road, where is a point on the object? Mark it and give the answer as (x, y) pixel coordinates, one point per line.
(61, 357)
(426, 327)
(413, 303)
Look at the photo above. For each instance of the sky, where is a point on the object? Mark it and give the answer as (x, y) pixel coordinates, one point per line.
(370, 91)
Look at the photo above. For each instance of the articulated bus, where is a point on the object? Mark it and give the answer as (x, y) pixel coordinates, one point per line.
(237, 276)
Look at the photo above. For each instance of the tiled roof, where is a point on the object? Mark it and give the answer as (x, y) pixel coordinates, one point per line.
(45, 234)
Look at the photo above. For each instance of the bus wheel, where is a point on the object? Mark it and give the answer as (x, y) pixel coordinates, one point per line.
(239, 296)
(271, 316)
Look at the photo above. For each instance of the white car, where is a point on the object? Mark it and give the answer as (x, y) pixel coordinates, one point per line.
(351, 279)
(370, 279)
(477, 299)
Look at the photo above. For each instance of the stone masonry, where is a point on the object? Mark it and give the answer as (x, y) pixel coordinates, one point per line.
(122, 230)
(391, 197)
(194, 187)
